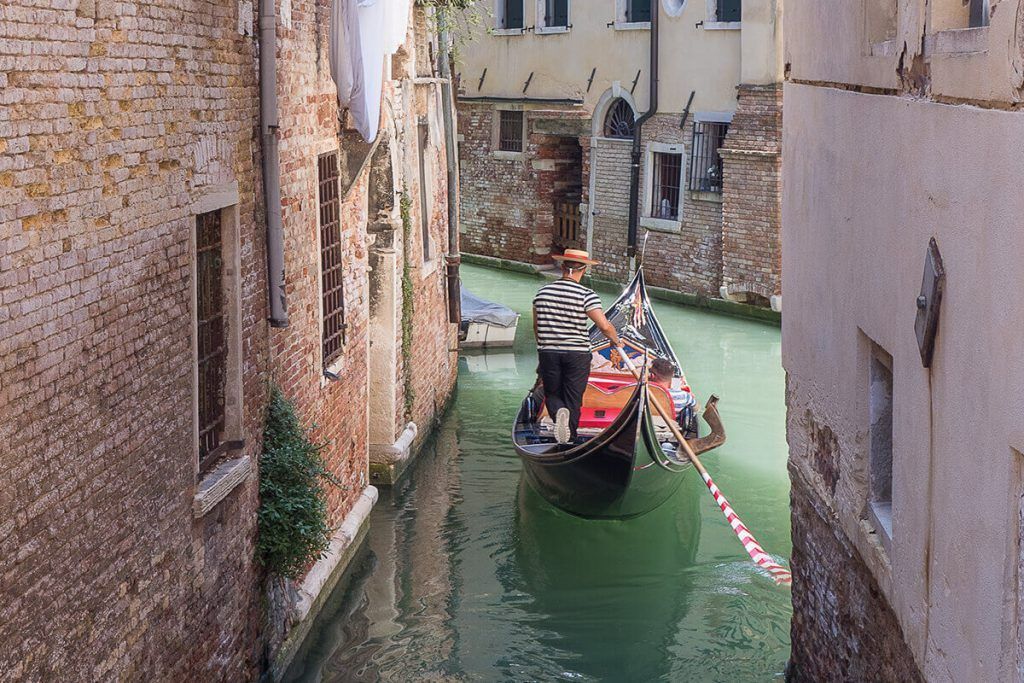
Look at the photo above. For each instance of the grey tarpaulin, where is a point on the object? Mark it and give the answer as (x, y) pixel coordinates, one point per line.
(477, 310)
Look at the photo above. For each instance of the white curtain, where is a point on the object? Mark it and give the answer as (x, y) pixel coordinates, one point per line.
(363, 34)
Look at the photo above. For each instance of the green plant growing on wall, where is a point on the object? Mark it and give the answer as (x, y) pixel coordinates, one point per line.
(293, 528)
(408, 305)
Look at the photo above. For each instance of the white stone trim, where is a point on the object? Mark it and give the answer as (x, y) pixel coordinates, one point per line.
(959, 41)
(722, 25)
(543, 29)
(320, 574)
(604, 103)
(398, 451)
(507, 31)
(632, 26)
(660, 224)
(713, 116)
(219, 483)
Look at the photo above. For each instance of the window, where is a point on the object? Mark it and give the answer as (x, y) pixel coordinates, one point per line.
(510, 131)
(424, 141)
(331, 264)
(705, 162)
(949, 15)
(508, 15)
(880, 404)
(620, 120)
(727, 10)
(556, 13)
(638, 11)
(665, 183)
(211, 338)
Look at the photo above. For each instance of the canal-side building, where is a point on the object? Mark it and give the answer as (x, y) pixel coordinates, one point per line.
(903, 126)
(549, 96)
(137, 340)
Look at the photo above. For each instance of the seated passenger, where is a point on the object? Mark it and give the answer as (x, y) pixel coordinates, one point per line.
(662, 372)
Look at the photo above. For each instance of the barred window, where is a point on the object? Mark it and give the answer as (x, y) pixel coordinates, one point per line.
(510, 131)
(705, 162)
(331, 264)
(666, 180)
(211, 324)
(620, 120)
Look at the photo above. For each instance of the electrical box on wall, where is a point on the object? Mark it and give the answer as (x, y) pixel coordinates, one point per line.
(929, 301)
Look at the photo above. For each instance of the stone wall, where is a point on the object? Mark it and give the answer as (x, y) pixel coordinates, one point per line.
(843, 628)
(752, 194)
(116, 121)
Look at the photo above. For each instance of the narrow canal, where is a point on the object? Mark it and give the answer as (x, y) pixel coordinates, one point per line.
(469, 576)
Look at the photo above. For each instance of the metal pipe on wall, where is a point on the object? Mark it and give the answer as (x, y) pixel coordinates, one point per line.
(652, 109)
(452, 258)
(271, 164)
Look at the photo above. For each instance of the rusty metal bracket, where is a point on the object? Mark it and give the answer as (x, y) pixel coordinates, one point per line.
(635, 81)
(527, 84)
(929, 302)
(482, 77)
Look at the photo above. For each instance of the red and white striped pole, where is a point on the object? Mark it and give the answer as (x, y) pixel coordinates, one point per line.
(780, 574)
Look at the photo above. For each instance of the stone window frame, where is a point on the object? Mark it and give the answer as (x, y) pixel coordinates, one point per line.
(708, 117)
(604, 104)
(711, 22)
(428, 247)
(879, 512)
(496, 132)
(646, 219)
(621, 22)
(499, 21)
(543, 29)
(216, 484)
(333, 370)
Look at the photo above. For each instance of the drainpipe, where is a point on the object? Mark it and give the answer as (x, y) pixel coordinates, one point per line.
(452, 258)
(634, 178)
(271, 165)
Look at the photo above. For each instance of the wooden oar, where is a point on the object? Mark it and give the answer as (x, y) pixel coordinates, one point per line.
(780, 574)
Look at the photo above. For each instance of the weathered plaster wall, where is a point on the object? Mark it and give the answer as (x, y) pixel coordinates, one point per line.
(857, 217)
(115, 119)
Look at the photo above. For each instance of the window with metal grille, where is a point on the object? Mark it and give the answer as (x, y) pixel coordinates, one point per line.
(728, 10)
(211, 328)
(512, 14)
(331, 264)
(556, 12)
(510, 131)
(666, 181)
(638, 10)
(705, 162)
(619, 121)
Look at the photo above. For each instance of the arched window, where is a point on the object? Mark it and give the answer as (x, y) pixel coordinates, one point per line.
(618, 122)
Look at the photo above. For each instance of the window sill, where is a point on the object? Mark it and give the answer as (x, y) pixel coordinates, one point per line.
(702, 196)
(888, 48)
(880, 518)
(507, 31)
(428, 267)
(961, 41)
(723, 25)
(509, 156)
(551, 30)
(661, 224)
(219, 483)
(632, 26)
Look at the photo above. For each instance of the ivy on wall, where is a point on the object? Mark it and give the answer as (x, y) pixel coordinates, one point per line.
(293, 522)
(408, 305)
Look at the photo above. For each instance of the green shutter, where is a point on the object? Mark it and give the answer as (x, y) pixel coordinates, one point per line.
(561, 13)
(729, 10)
(638, 11)
(513, 13)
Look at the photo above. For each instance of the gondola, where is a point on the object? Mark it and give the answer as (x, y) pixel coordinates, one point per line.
(623, 463)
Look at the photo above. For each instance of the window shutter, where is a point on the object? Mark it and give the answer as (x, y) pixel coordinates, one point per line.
(561, 13)
(639, 10)
(513, 13)
(729, 10)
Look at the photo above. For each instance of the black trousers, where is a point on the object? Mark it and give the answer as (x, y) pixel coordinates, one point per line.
(565, 374)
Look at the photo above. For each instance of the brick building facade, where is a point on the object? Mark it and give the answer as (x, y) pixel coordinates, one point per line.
(129, 137)
(709, 200)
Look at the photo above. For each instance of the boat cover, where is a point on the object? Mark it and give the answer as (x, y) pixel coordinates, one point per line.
(477, 310)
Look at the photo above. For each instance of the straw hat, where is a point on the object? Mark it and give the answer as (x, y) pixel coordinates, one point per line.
(575, 256)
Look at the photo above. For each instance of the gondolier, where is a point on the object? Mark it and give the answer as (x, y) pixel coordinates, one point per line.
(561, 310)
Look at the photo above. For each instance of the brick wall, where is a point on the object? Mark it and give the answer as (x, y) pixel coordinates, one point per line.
(114, 119)
(507, 204)
(843, 628)
(752, 220)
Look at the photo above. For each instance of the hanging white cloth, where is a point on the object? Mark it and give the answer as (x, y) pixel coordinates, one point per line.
(363, 34)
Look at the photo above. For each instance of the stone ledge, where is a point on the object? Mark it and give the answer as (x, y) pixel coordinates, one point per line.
(323, 577)
(218, 484)
(502, 264)
(388, 461)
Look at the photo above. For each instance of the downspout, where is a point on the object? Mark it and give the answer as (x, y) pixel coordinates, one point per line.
(450, 152)
(271, 164)
(652, 108)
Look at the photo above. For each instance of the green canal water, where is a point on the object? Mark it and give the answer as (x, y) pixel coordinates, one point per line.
(468, 575)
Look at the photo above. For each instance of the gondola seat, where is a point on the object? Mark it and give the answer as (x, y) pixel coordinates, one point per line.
(605, 396)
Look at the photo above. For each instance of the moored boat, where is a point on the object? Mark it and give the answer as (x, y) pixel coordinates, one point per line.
(625, 461)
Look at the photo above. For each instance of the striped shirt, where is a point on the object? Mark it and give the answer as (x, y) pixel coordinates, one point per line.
(560, 309)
